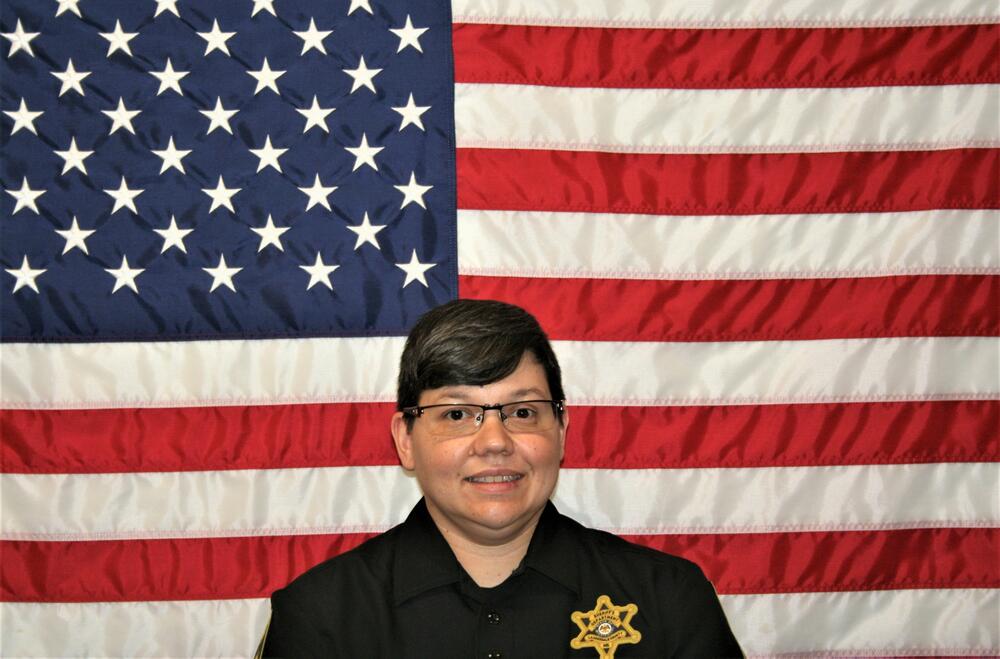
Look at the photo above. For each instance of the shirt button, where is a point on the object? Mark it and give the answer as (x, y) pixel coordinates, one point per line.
(494, 619)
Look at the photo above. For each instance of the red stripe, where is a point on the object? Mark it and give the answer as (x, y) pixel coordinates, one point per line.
(840, 560)
(224, 568)
(783, 435)
(751, 310)
(196, 438)
(288, 436)
(726, 58)
(169, 569)
(727, 184)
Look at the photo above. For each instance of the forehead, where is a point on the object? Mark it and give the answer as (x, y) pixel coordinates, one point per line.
(527, 381)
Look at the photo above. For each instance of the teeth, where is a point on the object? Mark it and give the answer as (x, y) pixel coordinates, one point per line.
(507, 478)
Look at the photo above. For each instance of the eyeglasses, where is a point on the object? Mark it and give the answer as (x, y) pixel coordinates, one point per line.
(447, 420)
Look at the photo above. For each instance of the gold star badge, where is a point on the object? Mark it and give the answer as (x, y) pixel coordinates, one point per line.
(605, 627)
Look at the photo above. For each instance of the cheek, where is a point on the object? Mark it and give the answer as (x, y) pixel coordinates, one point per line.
(441, 459)
(543, 453)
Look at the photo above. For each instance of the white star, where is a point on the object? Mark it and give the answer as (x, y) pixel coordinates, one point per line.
(318, 194)
(270, 235)
(315, 116)
(68, 5)
(366, 233)
(221, 196)
(166, 5)
(75, 237)
(121, 117)
(411, 114)
(408, 35)
(124, 198)
(216, 39)
(359, 4)
(319, 273)
(25, 197)
(222, 275)
(73, 157)
(26, 275)
(363, 76)
(71, 79)
(118, 39)
(262, 5)
(266, 78)
(124, 276)
(219, 117)
(268, 155)
(413, 192)
(20, 40)
(25, 118)
(415, 270)
(172, 157)
(173, 236)
(364, 154)
(313, 38)
(169, 79)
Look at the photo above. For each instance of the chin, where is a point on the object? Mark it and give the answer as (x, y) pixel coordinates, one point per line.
(498, 516)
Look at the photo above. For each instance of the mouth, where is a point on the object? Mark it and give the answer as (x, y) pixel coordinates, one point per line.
(492, 478)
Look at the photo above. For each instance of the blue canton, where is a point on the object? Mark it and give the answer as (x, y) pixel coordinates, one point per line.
(224, 168)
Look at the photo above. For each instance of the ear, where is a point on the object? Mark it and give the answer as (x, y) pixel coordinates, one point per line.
(403, 440)
(562, 433)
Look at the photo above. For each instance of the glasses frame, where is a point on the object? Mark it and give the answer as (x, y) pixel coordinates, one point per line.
(417, 411)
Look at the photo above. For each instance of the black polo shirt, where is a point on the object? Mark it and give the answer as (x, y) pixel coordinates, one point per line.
(404, 594)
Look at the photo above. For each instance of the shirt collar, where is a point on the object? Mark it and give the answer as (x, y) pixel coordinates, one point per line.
(424, 559)
(554, 547)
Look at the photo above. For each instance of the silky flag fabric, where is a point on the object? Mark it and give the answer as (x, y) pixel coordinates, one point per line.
(193, 159)
(765, 239)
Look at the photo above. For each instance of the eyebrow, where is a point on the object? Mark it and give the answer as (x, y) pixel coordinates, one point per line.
(466, 395)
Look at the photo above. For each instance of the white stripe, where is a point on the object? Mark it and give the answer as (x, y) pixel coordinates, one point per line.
(915, 622)
(205, 503)
(641, 501)
(208, 628)
(875, 623)
(604, 245)
(178, 373)
(631, 501)
(622, 373)
(726, 120)
(725, 13)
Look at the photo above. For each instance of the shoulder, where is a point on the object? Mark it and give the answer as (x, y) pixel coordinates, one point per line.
(678, 609)
(631, 557)
(368, 566)
(309, 614)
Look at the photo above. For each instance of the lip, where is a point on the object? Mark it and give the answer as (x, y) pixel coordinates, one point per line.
(494, 480)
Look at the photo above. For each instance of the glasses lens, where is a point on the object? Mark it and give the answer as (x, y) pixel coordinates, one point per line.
(453, 420)
(528, 416)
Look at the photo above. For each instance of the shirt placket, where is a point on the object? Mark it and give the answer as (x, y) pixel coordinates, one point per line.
(494, 637)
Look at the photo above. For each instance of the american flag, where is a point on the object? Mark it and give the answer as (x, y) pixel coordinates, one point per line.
(764, 238)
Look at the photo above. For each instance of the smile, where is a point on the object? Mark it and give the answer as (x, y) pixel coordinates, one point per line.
(503, 478)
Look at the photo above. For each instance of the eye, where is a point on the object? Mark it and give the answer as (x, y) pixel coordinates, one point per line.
(456, 414)
(524, 412)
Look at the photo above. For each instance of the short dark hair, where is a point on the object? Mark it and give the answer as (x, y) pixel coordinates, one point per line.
(472, 342)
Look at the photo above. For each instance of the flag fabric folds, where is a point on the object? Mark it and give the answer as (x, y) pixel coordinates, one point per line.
(764, 239)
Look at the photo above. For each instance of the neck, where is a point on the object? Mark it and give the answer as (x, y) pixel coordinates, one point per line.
(489, 562)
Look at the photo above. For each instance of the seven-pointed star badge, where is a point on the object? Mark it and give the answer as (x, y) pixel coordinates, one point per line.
(605, 627)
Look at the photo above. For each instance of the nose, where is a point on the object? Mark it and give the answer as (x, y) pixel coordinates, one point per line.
(492, 436)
